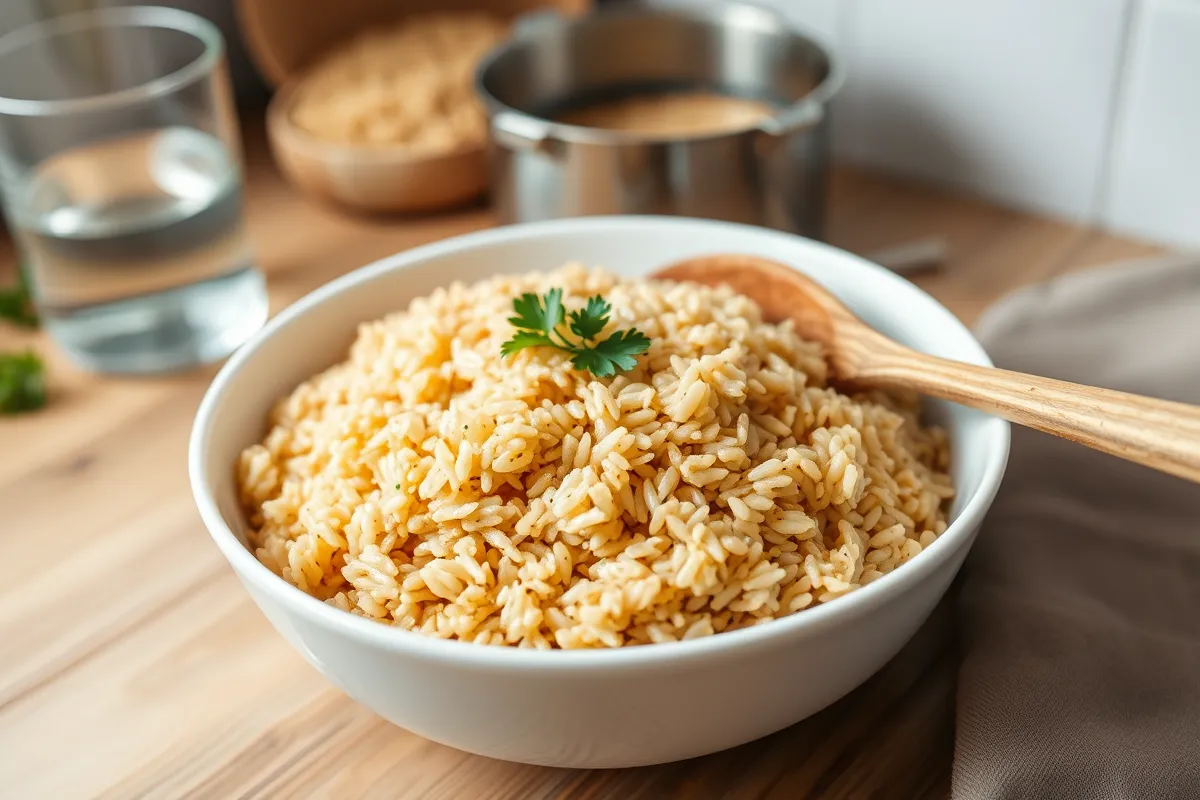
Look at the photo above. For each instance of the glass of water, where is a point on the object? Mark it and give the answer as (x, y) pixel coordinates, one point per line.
(121, 183)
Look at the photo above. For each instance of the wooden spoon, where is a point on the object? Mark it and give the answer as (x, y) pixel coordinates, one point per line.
(1157, 433)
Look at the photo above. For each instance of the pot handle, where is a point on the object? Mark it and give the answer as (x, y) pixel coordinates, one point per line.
(802, 115)
(519, 132)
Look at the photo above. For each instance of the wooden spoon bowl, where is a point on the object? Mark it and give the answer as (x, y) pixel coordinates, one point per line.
(1160, 434)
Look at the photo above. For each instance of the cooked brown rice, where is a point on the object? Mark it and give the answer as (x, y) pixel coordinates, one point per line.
(410, 84)
(428, 483)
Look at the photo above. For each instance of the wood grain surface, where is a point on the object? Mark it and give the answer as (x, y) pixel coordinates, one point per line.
(133, 664)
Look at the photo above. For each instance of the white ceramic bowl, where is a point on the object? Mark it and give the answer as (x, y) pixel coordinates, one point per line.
(595, 708)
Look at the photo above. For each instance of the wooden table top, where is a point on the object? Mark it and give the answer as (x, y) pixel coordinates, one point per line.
(133, 664)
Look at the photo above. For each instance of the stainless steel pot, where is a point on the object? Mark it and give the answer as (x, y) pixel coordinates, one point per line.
(773, 174)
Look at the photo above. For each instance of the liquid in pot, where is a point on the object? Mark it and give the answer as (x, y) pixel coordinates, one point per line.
(671, 114)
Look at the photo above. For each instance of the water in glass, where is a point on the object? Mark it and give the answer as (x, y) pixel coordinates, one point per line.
(137, 250)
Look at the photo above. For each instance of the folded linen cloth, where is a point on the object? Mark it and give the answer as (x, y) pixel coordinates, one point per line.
(1080, 606)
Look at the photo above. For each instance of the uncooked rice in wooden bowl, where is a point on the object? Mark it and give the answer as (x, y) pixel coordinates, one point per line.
(430, 483)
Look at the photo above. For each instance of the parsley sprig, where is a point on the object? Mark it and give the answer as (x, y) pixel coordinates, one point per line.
(539, 320)
(22, 375)
(22, 383)
(15, 303)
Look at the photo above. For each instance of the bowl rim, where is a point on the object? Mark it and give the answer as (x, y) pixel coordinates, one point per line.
(993, 444)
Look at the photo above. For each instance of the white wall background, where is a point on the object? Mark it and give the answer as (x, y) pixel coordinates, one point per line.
(1084, 109)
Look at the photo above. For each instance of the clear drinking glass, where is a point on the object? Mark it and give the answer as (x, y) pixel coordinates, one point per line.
(121, 183)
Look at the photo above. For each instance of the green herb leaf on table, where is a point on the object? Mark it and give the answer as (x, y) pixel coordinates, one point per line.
(537, 320)
(16, 306)
(22, 383)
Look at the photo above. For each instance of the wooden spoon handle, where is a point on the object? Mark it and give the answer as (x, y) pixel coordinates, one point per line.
(1160, 434)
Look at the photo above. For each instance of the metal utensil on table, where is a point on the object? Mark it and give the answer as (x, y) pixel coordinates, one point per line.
(773, 174)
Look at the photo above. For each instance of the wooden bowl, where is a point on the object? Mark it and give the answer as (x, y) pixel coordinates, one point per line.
(371, 178)
(286, 37)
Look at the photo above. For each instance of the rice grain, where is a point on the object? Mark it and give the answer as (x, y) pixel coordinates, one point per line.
(428, 483)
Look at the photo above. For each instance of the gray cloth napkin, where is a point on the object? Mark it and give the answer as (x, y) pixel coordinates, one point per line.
(1080, 605)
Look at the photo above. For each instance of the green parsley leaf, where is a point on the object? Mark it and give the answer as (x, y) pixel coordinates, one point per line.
(532, 314)
(523, 339)
(614, 354)
(16, 306)
(555, 313)
(22, 383)
(538, 320)
(588, 322)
